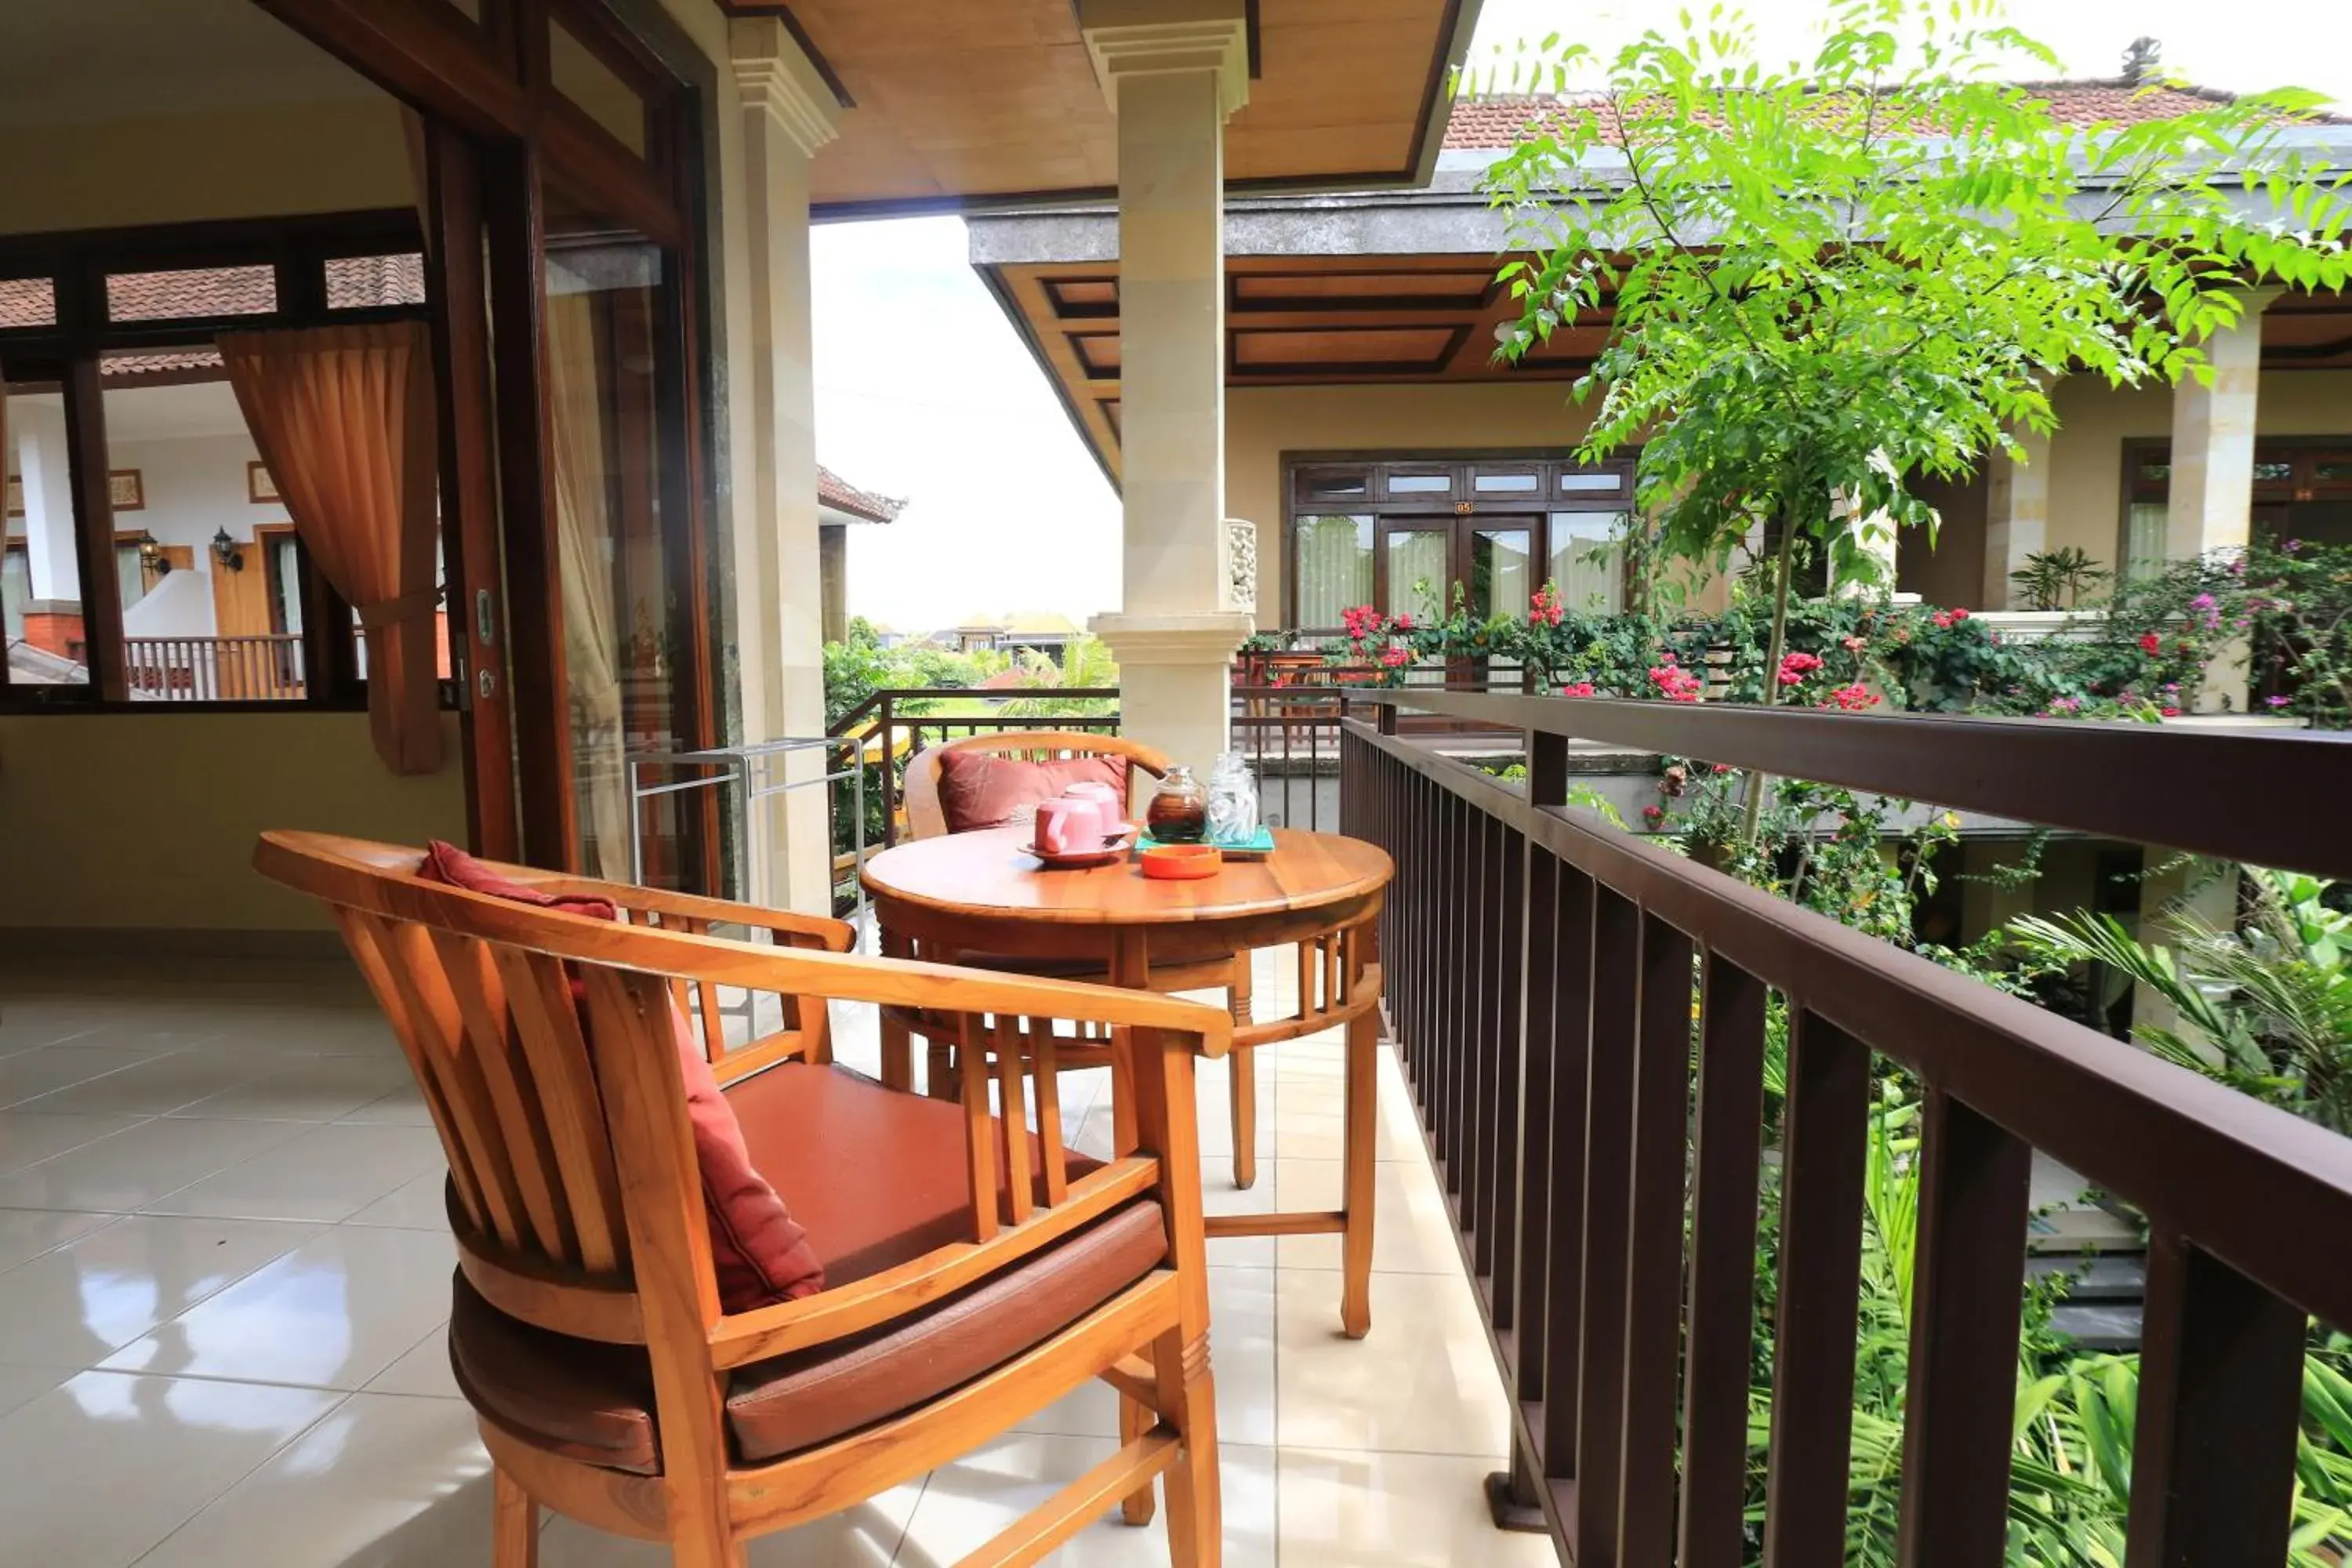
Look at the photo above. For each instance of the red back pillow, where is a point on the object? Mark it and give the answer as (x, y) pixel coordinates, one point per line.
(760, 1255)
(977, 789)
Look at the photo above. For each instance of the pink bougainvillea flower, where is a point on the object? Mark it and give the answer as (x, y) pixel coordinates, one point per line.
(1853, 644)
(2169, 712)
(2150, 643)
(1396, 654)
(1797, 665)
(1577, 689)
(1653, 815)
(1852, 699)
(2277, 701)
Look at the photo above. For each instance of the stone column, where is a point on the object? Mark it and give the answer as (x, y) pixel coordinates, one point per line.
(787, 116)
(2017, 515)
(1173, 70)
(2212, 491)
(53, 617)
(2210, 505)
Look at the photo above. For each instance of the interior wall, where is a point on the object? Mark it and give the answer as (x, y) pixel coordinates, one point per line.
(148, 820)
(260, 163)
(1949, 571)
(2086, 455)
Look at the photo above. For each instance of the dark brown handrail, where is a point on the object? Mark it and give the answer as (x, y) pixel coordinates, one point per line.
(2264, 796)
(1539, 965)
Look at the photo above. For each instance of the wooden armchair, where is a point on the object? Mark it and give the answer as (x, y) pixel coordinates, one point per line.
(927, 819)
(975, 1271)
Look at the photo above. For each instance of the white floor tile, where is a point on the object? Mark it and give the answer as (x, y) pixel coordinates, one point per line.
(140, 1164)
(21, 1384)
(333, 1314)
(1412, 1232)
(863, 1535)
(1395, 1510)
(25, 1234)
(403, 1107)
(74, 1304)
(423, 1370)
(967, 1501)
(27, 1139)
(148, 1088)
(1241, 1353)
(305, 1088)
(382, 1482)
(95, 1472)
(28, 1075)
(329, 1172)
(418, 1205)
(1423, 1382)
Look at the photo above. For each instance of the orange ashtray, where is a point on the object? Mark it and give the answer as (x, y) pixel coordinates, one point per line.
(1181, 862)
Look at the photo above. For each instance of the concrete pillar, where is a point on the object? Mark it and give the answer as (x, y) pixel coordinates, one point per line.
(1173, 70)
(833, 556)
(2211, 499)
(787, 115)
(39, 436)
(2017, 516)
(2177, 892)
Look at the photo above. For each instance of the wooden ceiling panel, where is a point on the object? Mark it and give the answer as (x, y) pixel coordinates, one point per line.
(1097, 354)
(961, 101)
(1260, 291)
(1347, 349)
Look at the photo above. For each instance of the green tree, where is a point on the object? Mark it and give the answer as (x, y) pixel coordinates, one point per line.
(1831, 280)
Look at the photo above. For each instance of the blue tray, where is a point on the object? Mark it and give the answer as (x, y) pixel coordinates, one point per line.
(1262, 843)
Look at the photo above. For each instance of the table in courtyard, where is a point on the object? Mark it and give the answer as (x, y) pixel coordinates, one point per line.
(982, 896)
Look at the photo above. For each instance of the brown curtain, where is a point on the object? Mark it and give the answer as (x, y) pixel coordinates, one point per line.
(343, 416)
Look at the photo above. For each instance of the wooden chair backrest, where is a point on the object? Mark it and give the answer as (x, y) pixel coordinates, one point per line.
(925, 819)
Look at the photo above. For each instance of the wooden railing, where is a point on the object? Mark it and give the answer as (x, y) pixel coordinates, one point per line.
(214, 669)
(1540, 967)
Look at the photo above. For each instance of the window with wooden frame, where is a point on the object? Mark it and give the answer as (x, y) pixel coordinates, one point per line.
(1411, 534)
(2302, 490)
(122, 428)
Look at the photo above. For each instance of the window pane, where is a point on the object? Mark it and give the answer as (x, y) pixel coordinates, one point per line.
(1504, 484)
(628, 633)
(199, 623)
(1417, 573)
(1314, 486)
(1421, 484)
(1584, 559)
(199, 292)
(597, 87)
(1498, 572)
(357, 282)
(1332, 566)
(2334, 468)
(2144, 545)
(27, 303)
(2272, 472)
(42, 585)
(1584, 484)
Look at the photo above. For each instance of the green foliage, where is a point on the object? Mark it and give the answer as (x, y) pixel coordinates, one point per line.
(1832, 280)
(2056, 579)
(2264, 1006)
(2297, 603)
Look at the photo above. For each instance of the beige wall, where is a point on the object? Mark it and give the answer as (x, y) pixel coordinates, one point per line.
(326, 157)
(1262, 423)
(149, 819)
(2087, 460)
(2086, 456)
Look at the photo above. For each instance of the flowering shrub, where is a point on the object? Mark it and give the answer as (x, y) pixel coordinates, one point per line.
(1674, 683)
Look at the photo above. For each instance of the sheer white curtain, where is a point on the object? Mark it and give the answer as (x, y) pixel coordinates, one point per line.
(577, 396)
(1334, 565)
(1587, 581)
(1420, 583)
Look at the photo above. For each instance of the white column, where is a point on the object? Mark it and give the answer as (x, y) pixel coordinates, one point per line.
(2017, 515)
(2210, 505)
(40, 439)
(2212, 494)
(1173, 70)
(787, 116)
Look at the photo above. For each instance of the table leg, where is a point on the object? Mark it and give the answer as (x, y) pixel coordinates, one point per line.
(898, 1044)
(1243, 1067)
(1357, 1154)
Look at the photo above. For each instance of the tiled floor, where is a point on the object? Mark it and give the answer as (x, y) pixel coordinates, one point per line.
(224, 1278)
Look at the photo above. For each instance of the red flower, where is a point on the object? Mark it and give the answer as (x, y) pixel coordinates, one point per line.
(1958, 615)
(1853, 645)
(1653, 815)
(1675, 685)
(1402, 623)
(1943, 618)
(2150, 643)
(2169, 712)
(1796, 667)
(1396, 654)
(1852, 699)
(1579, 688)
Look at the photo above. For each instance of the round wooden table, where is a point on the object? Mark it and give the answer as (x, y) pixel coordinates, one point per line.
(982, 897)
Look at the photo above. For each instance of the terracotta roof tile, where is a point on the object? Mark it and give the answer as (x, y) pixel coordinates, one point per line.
(197, 292)
(834, 491)
(1496, 121)
(27, 303)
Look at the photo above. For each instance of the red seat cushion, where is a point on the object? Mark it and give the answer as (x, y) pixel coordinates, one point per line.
(760, 1253)
(977, 789)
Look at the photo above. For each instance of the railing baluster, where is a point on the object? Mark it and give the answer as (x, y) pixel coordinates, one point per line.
(2220, 1388)
(1824, 1148)
(1968, 1257)
(1571, 1052)
(1608, 1194)
(1653, 1253)
(1717, 1373)
(1506, 1161)
(1532, 1235)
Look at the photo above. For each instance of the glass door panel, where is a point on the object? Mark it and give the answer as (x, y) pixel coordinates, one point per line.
(1419, 576)
(1500, 579)
(624, 613)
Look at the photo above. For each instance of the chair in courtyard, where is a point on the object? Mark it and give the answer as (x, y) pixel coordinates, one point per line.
(928, 817)
(972, 1271)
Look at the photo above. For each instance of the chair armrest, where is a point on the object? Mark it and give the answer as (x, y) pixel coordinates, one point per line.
(791, 929)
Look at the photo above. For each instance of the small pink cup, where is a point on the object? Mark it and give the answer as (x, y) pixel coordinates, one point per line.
(1069, 827)
(1102, 795)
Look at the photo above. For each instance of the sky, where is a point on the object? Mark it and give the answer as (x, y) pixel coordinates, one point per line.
(924, 391)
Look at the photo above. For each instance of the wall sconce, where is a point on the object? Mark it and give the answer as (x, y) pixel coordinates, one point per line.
(152, 556)
(225, 551)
